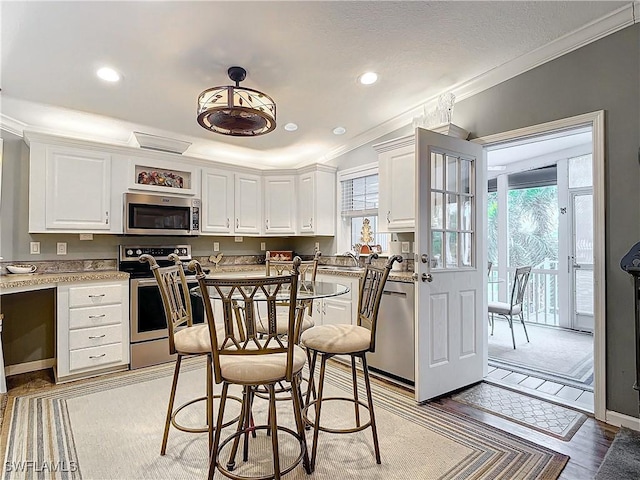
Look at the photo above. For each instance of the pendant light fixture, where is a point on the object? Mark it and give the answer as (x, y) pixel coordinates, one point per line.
(235, 110)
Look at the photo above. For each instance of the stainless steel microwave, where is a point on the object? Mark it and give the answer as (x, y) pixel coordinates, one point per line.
(152, 214)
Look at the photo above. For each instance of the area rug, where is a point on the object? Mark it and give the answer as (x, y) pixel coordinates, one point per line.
(111, 428)
(623, 457)
(546, 417)
(554, 354)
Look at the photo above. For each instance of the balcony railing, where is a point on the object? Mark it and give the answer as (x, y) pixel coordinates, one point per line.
(540, 304)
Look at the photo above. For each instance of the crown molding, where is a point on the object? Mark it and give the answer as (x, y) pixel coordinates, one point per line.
(11, 125)
(611, 23)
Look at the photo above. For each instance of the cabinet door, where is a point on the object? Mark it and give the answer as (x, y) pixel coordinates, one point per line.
(279, 205)
(77, 189)
(336, 312)
(248, 207)
(397, 191)
(306, 202)
(217, 201)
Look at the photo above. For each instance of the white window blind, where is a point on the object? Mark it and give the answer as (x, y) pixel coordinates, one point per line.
(360, 196)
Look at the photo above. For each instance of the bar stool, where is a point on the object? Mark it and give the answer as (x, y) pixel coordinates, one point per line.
(185, 339)
(354, 340)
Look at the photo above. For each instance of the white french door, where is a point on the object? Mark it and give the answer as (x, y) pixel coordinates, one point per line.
(451, 303)
(581, 260)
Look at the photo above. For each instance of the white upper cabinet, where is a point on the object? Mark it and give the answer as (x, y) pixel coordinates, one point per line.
(279, 204)
(248, 203)
(396, 175)
(69, 190)
(317, 202)
(397, 183)
(217, 201)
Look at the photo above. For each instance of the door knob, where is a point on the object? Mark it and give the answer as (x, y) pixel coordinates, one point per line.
(426, 277)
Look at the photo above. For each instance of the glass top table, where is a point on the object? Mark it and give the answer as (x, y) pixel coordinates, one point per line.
(307, 290)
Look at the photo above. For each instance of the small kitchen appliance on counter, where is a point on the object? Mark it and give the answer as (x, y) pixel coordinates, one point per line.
(149, 335)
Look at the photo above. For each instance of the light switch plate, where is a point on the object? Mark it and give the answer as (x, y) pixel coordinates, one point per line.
(238, 239)
(34, 248)
(263, 246)
(405, 247)
(61, 248)
(216, 246)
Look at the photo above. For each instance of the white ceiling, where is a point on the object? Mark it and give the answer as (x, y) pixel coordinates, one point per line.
(306, 55)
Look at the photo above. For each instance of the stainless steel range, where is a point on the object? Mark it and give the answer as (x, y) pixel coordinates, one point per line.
(149, 336)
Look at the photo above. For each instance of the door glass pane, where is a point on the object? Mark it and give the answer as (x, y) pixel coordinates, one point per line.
(465, 247)
(452, 249)
(437, 171)
(452, 174)
(436, 209)
(584, 292)
(580, 171)
(452, 212)
(467, 203)
(465, 174)
(436, 249)
(583, 228)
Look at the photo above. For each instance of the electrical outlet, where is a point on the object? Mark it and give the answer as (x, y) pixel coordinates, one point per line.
(61, 248)
(238, 239)
(405, 247)
(34, 248)
(86, 236)
(263, 246)
(216, 246)
(317, 247)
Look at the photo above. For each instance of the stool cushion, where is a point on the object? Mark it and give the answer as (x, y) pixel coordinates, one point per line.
(282, 324)
(337, 338)
(195, 339)
(502, 308)
(259, 369)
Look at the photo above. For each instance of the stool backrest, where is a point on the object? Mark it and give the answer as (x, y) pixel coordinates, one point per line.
(174, 291)
(370, 295)
(241, 294)
(307, 268)
(520, 280)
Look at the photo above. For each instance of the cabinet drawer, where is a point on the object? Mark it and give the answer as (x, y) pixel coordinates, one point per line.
(95, 316)
(95, 356)
(94, 295)
(96, 336)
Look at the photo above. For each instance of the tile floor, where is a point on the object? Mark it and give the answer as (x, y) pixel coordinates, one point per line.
(555, 392)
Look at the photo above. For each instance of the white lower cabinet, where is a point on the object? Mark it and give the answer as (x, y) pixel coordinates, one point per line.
(342, 309)
(92, 328)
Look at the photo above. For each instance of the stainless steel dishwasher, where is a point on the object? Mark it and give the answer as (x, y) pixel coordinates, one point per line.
(395, 350)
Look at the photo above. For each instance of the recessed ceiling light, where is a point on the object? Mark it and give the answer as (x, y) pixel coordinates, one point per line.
(291, 127)
(339, 130)
(368, 78)
(108, 74)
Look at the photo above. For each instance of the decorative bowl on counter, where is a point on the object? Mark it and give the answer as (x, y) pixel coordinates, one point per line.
(21, 268)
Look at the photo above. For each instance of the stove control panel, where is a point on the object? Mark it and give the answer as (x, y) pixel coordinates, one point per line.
(132, 253)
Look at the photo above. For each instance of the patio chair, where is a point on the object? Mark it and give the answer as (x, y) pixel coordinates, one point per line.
(514, 307)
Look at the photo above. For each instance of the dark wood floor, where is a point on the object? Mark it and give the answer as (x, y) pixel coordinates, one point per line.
(586, 448)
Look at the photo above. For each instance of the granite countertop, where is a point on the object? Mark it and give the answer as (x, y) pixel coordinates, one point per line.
(32, 279)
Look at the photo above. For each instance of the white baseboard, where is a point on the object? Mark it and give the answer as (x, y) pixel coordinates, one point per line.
(622, 420)
(29, 366)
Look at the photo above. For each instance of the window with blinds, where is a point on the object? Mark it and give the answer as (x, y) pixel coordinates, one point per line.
(360, 201)
(360, 196)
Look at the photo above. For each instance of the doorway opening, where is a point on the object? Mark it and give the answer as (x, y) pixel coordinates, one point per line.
(540, 211)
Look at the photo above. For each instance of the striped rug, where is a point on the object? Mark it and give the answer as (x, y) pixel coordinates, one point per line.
(111, 428)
